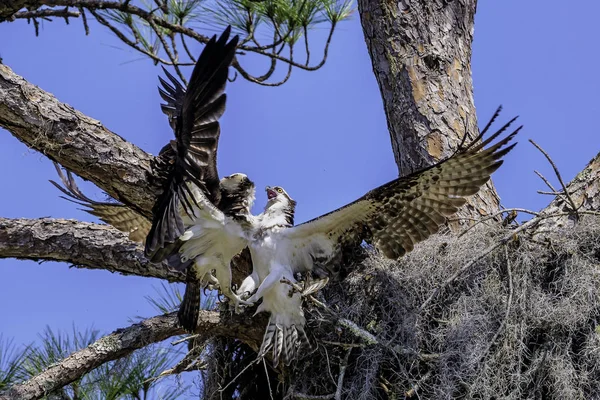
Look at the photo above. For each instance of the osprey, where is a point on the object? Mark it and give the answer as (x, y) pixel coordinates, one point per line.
(393, 217)
(190, 159)
(200, 221)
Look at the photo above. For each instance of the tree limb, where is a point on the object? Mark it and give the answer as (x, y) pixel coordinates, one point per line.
(584, 192)
(76, 141)
(83, 244)
(45, 13)
(123, 342)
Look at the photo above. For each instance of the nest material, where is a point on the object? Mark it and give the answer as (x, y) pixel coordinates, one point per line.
(516, 327)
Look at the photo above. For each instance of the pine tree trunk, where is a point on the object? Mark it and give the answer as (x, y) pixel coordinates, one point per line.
(421, 54)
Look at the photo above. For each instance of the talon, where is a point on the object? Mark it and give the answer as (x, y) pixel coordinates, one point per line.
(238, 303)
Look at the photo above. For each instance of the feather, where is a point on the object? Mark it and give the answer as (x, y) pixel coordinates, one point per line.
(314, 286)
(190, 306)
(118, 215)
(396, 216)
(194, 113)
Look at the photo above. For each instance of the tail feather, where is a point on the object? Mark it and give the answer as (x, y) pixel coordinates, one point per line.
(190, 306)
(284, 342)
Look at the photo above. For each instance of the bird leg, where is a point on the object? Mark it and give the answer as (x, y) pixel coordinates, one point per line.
(223, 274)
(203, 271)
(273, 278)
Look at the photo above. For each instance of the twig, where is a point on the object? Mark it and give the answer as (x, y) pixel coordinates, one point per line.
(489, 217)
(557, 173)
(532, 222)
(85, 22)
(345, 345)
(413, 391)
(554, 192)
(240, 374)
(171, 55)
(546, 181)
(355, 329)
(261, 79)
(268, 380)
(508, 306)
(306, 48)
(185, 339)
(550, 193)
(302, 396)
(126, 40)
(187, 50)
(340, 382)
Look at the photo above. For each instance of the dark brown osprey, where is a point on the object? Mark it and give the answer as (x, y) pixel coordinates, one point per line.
(188, 160)
(199, 219)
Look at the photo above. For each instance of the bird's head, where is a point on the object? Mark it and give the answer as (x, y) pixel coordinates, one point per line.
(237, 194)
(235, 183)
(280, 203)
(276, 194)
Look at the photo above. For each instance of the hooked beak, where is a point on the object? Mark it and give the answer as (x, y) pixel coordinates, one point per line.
(271, 194)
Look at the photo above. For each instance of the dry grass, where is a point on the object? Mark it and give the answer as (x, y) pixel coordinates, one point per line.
(474, 340)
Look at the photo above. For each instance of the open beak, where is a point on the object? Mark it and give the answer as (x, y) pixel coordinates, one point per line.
(271, 194)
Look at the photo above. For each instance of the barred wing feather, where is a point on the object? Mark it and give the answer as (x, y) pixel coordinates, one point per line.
(399, 214)
(118, 215)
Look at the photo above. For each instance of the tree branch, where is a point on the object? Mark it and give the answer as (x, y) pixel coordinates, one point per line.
(76, 141)
(45, 13)
(123, 342)
(584, 192)
(83, 244)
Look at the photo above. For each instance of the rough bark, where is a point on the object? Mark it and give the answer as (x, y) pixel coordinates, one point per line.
(76, 141)
(421, 55)
(123, 342)
(83, 244)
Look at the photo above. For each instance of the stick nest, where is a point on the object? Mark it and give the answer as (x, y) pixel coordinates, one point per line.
(522, 322)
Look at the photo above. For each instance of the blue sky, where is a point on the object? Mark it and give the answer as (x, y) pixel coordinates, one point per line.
(323, 135)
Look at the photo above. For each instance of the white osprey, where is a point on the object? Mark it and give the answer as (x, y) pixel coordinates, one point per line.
(393, 217)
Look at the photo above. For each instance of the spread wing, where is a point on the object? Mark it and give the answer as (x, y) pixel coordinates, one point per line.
(116, 214)
(397, 215)
(173, 92)
(196, 122)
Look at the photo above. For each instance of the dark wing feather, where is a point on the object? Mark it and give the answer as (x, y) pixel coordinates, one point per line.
(173, 93)
(397, 215)
(116, 214)
(195, 118)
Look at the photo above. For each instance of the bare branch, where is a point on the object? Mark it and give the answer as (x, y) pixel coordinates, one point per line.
(557, 173)
(120, 343)
(187, 50)
(493, 216)
(583, 190)
(132, 44)
(83, 244)
(45, 13)
(171, 55)
(125, 6)
(340, 382)
(508, 306)
(84, 19)
(76, 141)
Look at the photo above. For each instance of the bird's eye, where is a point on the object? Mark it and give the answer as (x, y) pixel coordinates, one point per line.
(279, 190)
